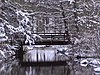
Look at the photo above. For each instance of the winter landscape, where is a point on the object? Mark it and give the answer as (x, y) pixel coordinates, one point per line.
(49, 37)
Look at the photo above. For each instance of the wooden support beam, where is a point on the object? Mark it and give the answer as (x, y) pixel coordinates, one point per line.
(53, 42)
(49, 33)
(43, 64)
(52, 36)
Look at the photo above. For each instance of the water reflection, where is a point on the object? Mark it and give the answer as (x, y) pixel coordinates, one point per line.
(73, 68)
(11, 66)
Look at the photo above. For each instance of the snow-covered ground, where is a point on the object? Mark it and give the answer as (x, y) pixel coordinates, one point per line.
(95, 63)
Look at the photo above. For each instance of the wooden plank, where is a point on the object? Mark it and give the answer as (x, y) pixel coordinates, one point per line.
(43, 64)
(49, 33)
(53, 36)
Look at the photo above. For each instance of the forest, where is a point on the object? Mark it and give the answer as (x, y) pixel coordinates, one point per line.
(58, 30)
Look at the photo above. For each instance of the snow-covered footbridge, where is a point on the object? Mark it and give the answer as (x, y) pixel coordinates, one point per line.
(40, 55)
(44, 55)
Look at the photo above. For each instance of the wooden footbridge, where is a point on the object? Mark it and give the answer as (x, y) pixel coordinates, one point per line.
(41, 58)
(48, 39)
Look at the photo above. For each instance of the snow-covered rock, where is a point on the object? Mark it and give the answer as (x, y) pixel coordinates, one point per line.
(84, 62)
(97, 70)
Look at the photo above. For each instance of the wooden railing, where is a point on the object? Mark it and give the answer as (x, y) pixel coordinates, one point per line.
(53, 39)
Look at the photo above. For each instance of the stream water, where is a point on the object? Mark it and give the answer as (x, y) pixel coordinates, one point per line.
(74, 66)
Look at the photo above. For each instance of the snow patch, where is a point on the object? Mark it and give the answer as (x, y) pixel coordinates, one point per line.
(84, 63)
(71, 1)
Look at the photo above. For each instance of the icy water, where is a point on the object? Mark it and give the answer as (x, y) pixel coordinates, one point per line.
(74, 66)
